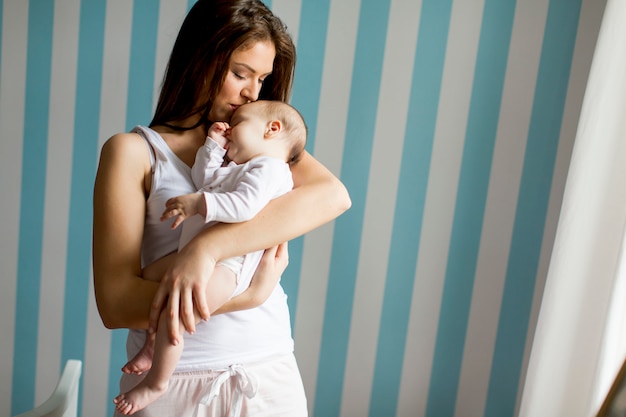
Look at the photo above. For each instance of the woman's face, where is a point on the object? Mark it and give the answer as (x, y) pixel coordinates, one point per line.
(247, 69)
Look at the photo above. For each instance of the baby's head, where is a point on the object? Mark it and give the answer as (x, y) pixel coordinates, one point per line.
(279, 128)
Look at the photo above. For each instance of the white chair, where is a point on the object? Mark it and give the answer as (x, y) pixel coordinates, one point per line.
(64, 400)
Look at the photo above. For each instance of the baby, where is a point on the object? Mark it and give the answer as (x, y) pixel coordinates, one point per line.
(263, 139)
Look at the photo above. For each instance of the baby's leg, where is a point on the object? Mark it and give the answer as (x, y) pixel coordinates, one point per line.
(142, 361)
(166, 355)
(155, 383)
(221, 287)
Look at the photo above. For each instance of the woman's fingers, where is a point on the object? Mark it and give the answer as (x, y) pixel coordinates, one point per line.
(184, 287)
(172, 295)
(200, 302)
(156, 308)
(173, 315)
(187, 316)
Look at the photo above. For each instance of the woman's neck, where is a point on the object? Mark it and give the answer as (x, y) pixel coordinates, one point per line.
(183, 142)
(189, 123)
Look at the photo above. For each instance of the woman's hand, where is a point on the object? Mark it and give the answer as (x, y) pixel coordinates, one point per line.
(183, 292)
(271, 267)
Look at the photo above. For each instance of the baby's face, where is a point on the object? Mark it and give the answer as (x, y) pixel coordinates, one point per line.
(247, 129)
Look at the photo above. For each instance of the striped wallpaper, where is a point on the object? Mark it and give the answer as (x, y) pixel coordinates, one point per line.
(450, 122)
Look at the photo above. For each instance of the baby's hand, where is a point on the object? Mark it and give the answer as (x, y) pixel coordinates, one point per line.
(219, 132)
(184, 206)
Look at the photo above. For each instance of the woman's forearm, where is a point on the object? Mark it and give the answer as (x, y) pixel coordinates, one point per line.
(318, 197)
(128, 305)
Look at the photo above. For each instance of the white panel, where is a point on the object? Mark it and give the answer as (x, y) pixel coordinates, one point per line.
(58, 184)
(331, 128)
(589, 23)
(289, 12)
(587, 246)
(378, 219)
(12, 88)
(171, 16)
(506, 171)
(456, 88)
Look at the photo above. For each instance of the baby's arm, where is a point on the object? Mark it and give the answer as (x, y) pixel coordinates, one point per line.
(263, 180)
(183, 207)
(218, 132)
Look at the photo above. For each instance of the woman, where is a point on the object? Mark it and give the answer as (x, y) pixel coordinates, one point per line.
(227, 53)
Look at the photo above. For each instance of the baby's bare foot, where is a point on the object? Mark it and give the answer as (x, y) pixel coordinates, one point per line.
(123, 405)
(141, 362)
(138, 398)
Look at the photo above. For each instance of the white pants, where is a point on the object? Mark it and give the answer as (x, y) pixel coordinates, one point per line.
(279, 392)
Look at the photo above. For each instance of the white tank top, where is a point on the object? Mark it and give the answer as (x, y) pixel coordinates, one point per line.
(226, 339)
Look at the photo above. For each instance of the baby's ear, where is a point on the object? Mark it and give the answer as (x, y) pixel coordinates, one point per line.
(273, 129)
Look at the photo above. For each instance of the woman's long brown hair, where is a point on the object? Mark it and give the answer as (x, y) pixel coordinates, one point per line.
(211, 32)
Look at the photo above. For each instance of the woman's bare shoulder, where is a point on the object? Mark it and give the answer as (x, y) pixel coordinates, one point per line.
(126, 155)
(125, 142)
(126, 147)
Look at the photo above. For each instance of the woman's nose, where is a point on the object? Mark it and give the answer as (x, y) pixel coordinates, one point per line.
(252, 90)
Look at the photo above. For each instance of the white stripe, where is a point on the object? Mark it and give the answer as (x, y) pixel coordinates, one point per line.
(505, 177)
(331, 128)
(380, 205)
(289, 12)
(115, 63)
(12, 100)
(96, 370)
(58, 183)
(591, 14)
(171, 16)
(456, 88)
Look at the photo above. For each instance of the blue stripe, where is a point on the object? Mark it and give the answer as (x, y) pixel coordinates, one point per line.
(34, 161)
(411, 196)
(306, 98)
(471, 199)
(84, 156)
(355, 171)
(532, 206)
(290, 280)
(142, 62)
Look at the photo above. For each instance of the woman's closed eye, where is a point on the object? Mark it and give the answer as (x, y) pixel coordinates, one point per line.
(243, 77)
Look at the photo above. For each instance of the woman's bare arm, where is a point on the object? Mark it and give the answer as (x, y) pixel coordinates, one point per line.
(122, 296)
(317, 198)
